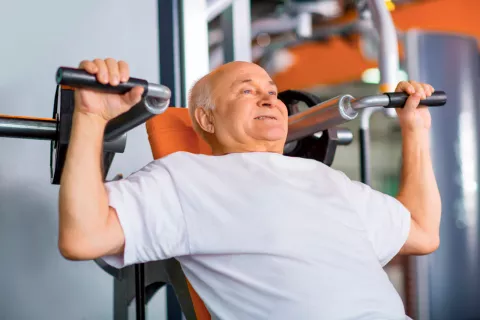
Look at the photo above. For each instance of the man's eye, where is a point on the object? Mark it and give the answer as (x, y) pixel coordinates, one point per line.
(247, 91)
(273, 93)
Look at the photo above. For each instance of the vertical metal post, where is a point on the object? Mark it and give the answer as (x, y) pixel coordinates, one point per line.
(120, 298)
(140, 291)
(388, 63)
(194, 36)
(170, 50)
(388, 60)
(448, 281)
(236, 26)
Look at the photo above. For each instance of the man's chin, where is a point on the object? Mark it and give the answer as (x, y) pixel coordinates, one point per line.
(272, 135)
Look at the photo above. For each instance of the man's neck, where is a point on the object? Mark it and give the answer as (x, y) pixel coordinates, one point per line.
(222, 150)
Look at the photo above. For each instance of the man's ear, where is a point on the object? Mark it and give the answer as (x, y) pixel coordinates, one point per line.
(204, 119)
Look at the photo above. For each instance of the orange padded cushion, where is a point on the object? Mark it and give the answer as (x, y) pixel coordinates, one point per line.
(170, 132)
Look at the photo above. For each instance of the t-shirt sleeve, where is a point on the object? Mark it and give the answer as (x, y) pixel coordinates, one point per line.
(386, 220)
(151, 216)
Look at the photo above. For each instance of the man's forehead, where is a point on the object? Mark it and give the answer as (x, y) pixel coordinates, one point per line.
(250, 75)
(247, 79)
(234, 74)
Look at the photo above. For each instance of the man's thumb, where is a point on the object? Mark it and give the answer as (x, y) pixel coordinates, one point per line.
(412, 102)
(133, 96)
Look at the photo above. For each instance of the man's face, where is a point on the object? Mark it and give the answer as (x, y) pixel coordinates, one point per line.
(247, 111)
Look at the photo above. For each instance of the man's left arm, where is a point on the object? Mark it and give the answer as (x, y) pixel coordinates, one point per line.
(418, 187)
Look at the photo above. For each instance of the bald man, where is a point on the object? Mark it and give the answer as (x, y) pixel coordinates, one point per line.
(258, 234)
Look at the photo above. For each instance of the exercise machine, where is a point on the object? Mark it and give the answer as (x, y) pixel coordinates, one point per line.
(319, 117)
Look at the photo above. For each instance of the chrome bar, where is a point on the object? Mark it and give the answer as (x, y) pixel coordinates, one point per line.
(328, 114)
(156, 102)
(194, 43)
(388, 60)
(28, 128)
(236, 25)
(381, 100)
(304, 27)
(344, 136)
(388, 57)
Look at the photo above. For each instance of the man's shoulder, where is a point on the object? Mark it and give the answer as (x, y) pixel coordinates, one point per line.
(184, 160)
(182, 156)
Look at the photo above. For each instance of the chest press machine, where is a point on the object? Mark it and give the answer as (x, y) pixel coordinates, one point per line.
(313, 134)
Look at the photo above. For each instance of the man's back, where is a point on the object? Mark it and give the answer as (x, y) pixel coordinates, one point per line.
(265, 236)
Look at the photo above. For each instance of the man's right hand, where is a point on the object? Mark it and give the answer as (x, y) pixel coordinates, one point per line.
(106, 106)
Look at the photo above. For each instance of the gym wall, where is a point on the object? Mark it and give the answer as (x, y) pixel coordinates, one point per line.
(37, 37)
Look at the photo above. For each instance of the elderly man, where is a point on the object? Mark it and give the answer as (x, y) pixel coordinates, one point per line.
(259, 235)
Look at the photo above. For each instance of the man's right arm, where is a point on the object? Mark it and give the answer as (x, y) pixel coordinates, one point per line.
(89, 228)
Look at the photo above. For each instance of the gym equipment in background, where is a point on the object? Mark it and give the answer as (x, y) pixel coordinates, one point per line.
(447, 282)
(155, 100)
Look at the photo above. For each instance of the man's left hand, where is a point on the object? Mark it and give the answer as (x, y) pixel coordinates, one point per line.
(414, 117)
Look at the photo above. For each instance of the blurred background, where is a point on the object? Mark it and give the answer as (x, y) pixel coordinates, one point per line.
(326, 47)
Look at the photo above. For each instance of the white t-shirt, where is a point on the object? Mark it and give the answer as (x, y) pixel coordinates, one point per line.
(265, 236)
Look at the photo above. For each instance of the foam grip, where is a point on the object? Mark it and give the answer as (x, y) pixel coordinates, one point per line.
(79, 78)
(398, 99)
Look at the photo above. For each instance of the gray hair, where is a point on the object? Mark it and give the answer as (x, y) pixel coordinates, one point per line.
(200, 95)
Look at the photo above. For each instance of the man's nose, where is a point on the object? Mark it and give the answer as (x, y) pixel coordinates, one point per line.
(267, 101)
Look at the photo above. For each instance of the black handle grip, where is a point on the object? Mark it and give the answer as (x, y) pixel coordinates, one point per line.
(398, 99)
(78, 78)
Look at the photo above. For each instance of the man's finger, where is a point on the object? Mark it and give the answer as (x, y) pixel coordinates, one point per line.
(88, 66)
(404, 86)
(113, 72)
(428, 89)
(419, 89)
(102, 74)
(124, 71)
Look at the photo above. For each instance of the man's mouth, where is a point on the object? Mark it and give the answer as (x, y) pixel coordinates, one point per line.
(265, 117)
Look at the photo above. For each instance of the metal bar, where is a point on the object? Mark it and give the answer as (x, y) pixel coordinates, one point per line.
(272, 26)
(170, 50)
(304, 26)
(322, 116)
(344, 137)
(388, 61)
(365, 151)
(236, 26)
(194, 36)
(28, 128)
(134, 117)
(140, 291)
(216, 7)
(120, 298)
(365, 176)
(371, 101)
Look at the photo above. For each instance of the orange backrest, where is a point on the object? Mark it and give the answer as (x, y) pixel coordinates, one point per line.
(170, 132)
